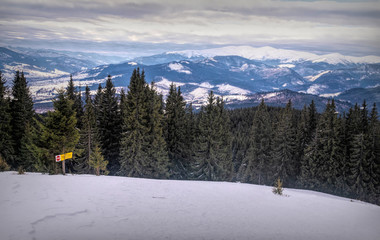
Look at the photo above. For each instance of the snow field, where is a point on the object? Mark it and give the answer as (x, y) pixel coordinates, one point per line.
(36, 206)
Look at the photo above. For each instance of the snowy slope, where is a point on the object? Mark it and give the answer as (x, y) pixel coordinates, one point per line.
(35, 206)
(270, 53)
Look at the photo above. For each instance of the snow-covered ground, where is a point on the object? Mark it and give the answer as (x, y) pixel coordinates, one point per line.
(36, 206)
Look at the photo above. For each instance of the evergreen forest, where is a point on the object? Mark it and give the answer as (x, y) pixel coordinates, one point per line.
(138, 133)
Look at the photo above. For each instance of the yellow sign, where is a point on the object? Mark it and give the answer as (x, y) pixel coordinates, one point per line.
(68, 155)
(63, 157)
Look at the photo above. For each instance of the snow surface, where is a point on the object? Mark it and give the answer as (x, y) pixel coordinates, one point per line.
(36, 206)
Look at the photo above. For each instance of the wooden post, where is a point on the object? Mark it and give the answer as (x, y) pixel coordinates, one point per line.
(63, 163)
(63, 168)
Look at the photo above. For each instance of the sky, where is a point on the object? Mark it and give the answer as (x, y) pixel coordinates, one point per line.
(145, 27)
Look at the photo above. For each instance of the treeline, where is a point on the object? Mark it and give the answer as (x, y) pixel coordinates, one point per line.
(138, 134)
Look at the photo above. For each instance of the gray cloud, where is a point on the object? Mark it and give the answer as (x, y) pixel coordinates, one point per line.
(344, 26)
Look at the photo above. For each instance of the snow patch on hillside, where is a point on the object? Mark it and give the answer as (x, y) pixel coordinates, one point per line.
(328, 95)
(287, 65)
(178, 68)
(315, 77)
(315, 89)
(227, 88)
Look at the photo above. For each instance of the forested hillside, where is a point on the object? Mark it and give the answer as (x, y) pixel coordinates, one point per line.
(139, 134)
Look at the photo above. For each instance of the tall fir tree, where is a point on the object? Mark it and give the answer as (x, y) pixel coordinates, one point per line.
(88, 135)
(284, 148)
(175, 133)
(134, 160)
(60, 133)
(157, 153)
(109, 127)
(22, 115)
(213, 145)
(255, 167)
(76, 98)
(6, 144)
(373, 186)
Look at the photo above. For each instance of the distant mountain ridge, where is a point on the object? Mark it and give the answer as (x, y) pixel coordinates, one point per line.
(238, 74)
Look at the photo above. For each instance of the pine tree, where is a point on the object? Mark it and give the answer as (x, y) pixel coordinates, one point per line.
(157, 153)
(284, 148)
(213, 159)
(109, 127)
(97, 161)
(373, 186)
(22, 114)
(76, 97)
(134, 160)
(325, 156)
(97, 103)
(175, 133)
(256, 164)
(6, 144)
(60, 133)
(88, 134)
(360, 166)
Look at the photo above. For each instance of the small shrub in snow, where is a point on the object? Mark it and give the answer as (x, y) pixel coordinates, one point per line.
(3, 165)
(21, 170)
(278, 187)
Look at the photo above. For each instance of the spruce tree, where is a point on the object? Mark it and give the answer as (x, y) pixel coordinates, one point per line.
(134, 160)
(157, 153)
(284, 148)
(256, 164)
(109, 127)
(76, 98)
(22, 114)
(97, 162)
(88, 134)
(175, 133)
(6, 145)
(373, 186)
(60, 133)
(213, 145)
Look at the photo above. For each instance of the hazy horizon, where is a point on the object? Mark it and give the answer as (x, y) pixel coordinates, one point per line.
(145, 27)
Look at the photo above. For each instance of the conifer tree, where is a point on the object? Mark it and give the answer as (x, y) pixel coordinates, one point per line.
(213, 157)
(88, 134)
(360, 166)
(256, 164)
(123, 105)
(97, 161)
(134, 160)
(175, 133)
(284, 148)
(22, 114)
(6, 146)
(60, 133)
(373, 186)
(157, 153)
(109, 127)
(76, 98)
(97, 103)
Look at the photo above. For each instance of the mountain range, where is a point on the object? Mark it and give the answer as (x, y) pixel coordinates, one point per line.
(241, 74)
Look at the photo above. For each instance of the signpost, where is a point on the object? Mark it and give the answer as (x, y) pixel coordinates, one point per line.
(63, 157)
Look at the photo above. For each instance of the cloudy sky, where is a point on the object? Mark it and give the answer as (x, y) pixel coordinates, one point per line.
(142, 27)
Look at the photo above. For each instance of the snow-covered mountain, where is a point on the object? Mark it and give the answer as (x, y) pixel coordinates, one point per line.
(38, 66)
(270, 53)
(37, 206)
(233, 72)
